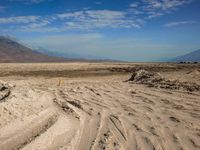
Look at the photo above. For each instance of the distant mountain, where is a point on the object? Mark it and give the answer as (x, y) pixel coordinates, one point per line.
(193, 57)
(12, 51)
(55, 53)
(76, 57)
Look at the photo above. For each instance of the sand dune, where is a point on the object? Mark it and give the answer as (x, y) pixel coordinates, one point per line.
(97, 113)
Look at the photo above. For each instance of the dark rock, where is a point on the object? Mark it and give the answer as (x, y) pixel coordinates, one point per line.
(4, 91)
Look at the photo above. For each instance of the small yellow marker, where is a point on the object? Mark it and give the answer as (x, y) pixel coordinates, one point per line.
(60, 82)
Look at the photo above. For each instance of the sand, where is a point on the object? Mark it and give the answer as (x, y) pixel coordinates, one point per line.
(90, 107)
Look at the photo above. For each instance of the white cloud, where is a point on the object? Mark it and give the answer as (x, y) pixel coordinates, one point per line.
(134, 5)
(70, 14)
(157, 8)
(37, 24)
(19, 19)
(86, 19)
(164, 5)
(173, 24)
(154, 15)
(38, 29)
(28, 1)
(91, 19)
(105, 14)
(77, 20)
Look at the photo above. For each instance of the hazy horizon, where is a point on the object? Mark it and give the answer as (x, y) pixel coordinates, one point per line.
(142, 30)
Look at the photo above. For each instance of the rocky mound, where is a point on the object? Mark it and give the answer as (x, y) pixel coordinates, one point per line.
(152, 79)
(4, 90)
(143, 76)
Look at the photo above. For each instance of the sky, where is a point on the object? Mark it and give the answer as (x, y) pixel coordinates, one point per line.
(130, 30)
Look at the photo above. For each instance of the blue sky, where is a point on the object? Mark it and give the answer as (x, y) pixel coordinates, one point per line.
(133, 30)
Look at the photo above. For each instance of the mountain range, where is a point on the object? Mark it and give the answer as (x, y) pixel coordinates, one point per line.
(190, 57)
(12, 51)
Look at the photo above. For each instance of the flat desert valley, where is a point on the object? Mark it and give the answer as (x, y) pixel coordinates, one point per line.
(97, 106)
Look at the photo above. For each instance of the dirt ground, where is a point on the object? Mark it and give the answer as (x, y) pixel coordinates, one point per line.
(88, 106)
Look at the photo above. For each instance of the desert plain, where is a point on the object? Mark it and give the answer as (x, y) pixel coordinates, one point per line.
(94, 106)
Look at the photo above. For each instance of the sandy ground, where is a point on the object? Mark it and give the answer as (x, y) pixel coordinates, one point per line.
(81, 106)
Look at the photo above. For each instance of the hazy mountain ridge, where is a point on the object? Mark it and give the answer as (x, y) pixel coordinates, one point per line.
(192, 56)
(12, 51)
